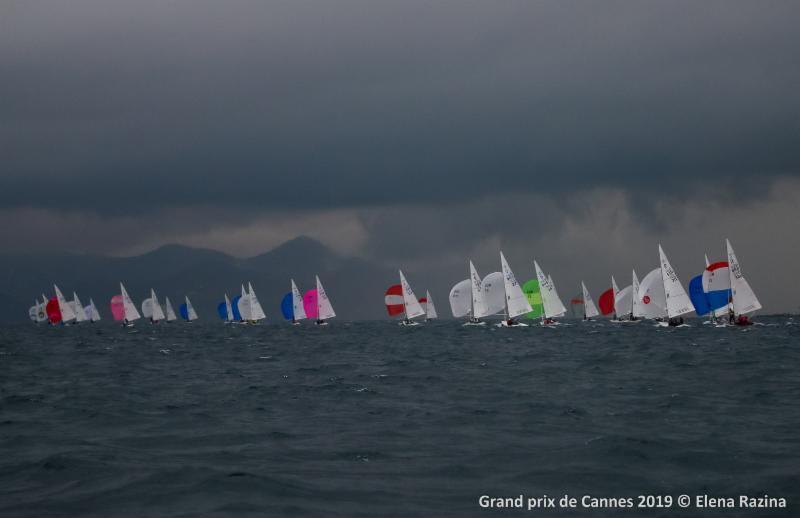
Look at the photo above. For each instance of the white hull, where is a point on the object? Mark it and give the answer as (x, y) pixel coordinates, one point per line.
(504, 323)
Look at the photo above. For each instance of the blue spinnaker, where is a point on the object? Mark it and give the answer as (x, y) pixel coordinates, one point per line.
(718, 299)
(184, 311)
(222, 310)
(286, 306)
(235, 308)
(698, 296)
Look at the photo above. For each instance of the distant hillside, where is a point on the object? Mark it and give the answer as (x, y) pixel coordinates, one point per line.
(356, 286)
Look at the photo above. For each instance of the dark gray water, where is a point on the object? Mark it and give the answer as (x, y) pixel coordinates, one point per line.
(370, 419)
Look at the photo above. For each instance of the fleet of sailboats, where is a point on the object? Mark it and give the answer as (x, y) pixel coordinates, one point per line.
(719, 291)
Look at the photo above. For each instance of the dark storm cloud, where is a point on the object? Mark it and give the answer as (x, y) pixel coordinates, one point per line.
(117, 108)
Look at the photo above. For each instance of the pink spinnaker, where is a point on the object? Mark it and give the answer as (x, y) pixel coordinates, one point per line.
(310, 303)
(117, 307)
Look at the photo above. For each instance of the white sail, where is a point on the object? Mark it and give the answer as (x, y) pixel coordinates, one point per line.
(636, 302)
(77, 308)
(430, 309)
(589, 309)
(678, 302)
(131, 313)
(744, 299)
(228, 309)
(494, 293)
(412, 305)
(614, 285)
(65, 308)
(298, 308)
(147, 308)
(479, 308)
(190, 312)
(623, 301)
(171, 316)
(552, 305)
(244, 306)
(323, 303)
(516, 302)
(95, 315)
(557, 298)
(255, 305)
(651, 293)
(461, 298)
(158, 313)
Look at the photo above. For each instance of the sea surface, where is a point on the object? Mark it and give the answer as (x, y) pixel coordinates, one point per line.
(374, 419)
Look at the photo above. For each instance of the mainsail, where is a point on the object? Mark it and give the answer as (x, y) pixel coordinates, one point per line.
(678, 302)
(637, 311)
(430, 309)
(67, 313)
(256, 312)
(77, 308)
(589, 309)
(553, 307)
(744, 299)
(324, 307)
(516, 302)
(413, 308)
(129, 308)
(297, 303)
(171, 316)
(479, 308)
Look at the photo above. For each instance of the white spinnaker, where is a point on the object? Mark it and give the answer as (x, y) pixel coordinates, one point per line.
(589, 308)
(245, 306)
(158, 313)
(651, 293)
(516, 302)
(461, 298)
(323, 303)
(678, 302)
(171, 316)
(147, 308)
(257, 313)
(552, 305)
(623, 301)
(67, 313)
(297, 303)
(95, 315)
(557, 298)
(80, 313)
(479, 308)
(744, 299)
(494, 293)
(430, 309)
(636, 302)
(131, 313)
(190, 312)
(412, 305)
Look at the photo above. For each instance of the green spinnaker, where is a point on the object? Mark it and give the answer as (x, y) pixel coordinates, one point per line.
(534, 296)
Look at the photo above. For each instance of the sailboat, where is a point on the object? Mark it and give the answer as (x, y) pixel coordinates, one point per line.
(516, 301)
(226, 310)
(77, 308)
(744, 300)
(677, 301)
(589, 309)
(130, 313)
(256, 312)
(411, 306)
(91, 311)
(553, 307)
(478, 309)
(298, 311)
(187, 310)
(64, 307)
(151, 308)
(430, 309)
(38, 312)
(637, 312)
(317, 300)
(171, 316)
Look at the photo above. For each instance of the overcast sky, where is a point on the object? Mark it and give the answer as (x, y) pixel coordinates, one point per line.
(582, 133)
